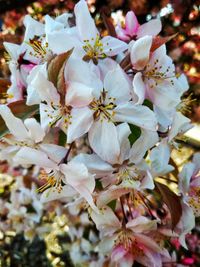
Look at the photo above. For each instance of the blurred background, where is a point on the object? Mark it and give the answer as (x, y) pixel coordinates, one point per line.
(44, 241)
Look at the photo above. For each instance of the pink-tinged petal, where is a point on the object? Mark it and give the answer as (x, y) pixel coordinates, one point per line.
(146, 141)
(46, 89)
(152, 27)
(35, 130)
(118, 85)
(113, 46)
(118, 253)
(106, 221)
(114, 192)
(54, 152)
(95, 164)
(104, 140)
(142, 224)
(139, 88)
(78, 95)
(123, 132)
(147, 242)
(180, 125)
(121, 33)
(84, 22)
(136, 114)
(131, 23)
(67, 193)
(81, 121)
(14, 124)
(140, 52)
(27, 155)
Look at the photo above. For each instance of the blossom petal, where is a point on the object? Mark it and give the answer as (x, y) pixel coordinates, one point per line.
(152, 27)
(81, 121)
(104, 140)
(118, 85)
(36, 132)
(46, 89)
(131, 23)
(139, 88)
(14, 124)
(54, 152)
(78, 95)
(95, 164)
(136, 114)
(51, 194)
(33, 28)
(140, 52)
(113, 46)
(28, 155)
(146, 141)
(84, 22)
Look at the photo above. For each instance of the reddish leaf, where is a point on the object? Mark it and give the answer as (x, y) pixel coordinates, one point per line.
(20, 110)
(56, 70)
(158, 41)
(172, 201)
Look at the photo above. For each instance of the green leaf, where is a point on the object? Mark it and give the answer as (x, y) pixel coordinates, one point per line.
(20, 110)
(172, 201)
(62, 138)
(148, 104)
(112, 204)
(135, 133)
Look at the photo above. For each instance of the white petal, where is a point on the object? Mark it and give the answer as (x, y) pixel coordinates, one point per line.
(58, 47)
(81, 121)
(140, 52)
(185, 176)
(52, 25)
(51, 194)
(12, 49)
(139, 87)
(159, 157)
(141, 224)
(180, 125)
(78, 95)
(36, 132)
(113, 46)
(123, 132)
(14, 124)
(104, 141)
(33, 28)
(46, 89)
(84, 22)
(27, 155)
(118, 85)
(54, 152)
(95, 164)
(138, 115)
(152, 27)
(146, 141)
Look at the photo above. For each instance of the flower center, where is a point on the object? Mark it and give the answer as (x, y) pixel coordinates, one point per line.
(94, 50)
(155, 73)
(59, 113)
(40, 49)
(53, 180)
(103, 109)
(125, 238)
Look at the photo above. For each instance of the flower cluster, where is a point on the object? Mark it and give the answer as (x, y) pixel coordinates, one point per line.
(120, 96)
